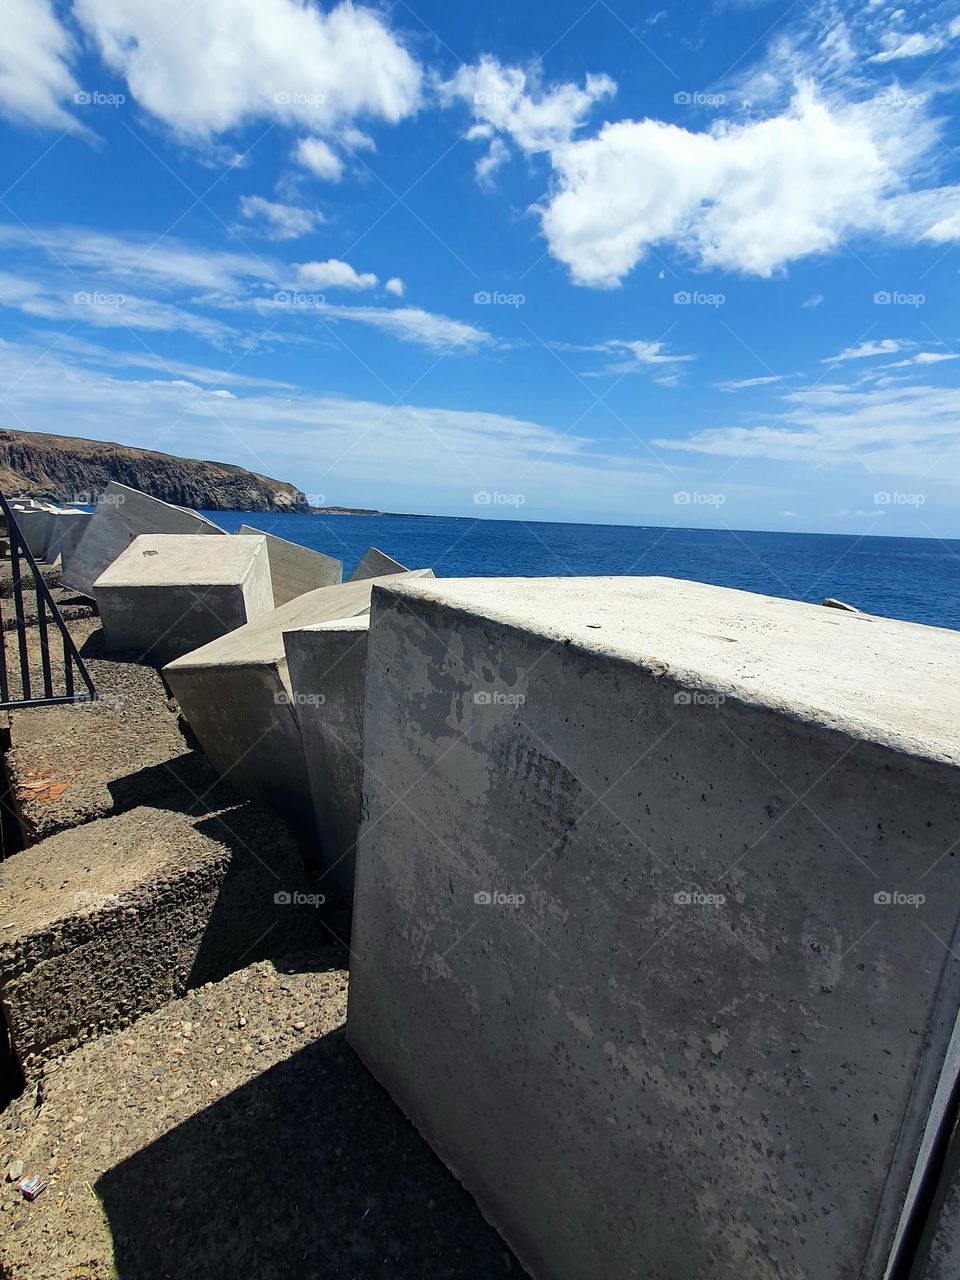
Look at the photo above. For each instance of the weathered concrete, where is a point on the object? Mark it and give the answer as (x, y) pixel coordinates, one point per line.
(236, 696)
(34, 524)
(658, 946)
(327, 670)
(375, 564)
(295, 570)
(109, 921)
(64, 530)
(122, 514)
(168, 594)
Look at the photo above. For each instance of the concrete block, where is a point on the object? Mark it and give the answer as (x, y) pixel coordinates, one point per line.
(121, 515)
(326, 665)
(112, 919)
(295, 570)
(64, 530)
(655, 934)
(170, 593)
(375, 564)
(34, 524)
(236, 696)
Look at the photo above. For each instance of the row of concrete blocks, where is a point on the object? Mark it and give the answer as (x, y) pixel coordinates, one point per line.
(655, 919)
(51, 532)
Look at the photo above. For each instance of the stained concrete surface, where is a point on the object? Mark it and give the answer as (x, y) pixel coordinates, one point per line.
(326, 665)
(658, 951)
(168, 594)
(121, 515)
(294, 570)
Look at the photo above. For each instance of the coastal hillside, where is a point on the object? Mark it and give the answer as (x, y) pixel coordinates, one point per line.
(68, 470)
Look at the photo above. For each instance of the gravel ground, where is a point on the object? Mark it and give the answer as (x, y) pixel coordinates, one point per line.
(234, 1133)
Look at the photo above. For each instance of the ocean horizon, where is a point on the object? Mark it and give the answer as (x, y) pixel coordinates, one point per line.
(913, 579)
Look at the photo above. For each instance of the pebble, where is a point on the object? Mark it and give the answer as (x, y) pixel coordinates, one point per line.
(299, 1026)
(14, 1170)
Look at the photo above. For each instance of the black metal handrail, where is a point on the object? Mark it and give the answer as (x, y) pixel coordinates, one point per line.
(15, 670)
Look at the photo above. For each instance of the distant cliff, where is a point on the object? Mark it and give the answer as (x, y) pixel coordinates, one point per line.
(75, 471)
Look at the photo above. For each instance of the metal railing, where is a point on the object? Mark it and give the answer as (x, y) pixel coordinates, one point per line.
(27, 665)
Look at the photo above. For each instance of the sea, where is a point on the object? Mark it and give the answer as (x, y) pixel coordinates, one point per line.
(916, 579)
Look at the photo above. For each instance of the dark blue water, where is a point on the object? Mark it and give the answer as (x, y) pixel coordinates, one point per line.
(917, 579)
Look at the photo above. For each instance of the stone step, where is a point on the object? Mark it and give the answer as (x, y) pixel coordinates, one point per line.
(73, 764)
(234, 1133)
(107, 921)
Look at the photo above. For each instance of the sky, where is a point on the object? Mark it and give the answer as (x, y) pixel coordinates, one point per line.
(597, 262)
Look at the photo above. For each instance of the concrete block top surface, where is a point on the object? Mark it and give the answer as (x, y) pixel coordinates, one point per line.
(877, 678)
(376, 564)
(182, 559)
(262, 639)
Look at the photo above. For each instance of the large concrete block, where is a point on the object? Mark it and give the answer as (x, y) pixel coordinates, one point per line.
(34, 524)
(64, 530)
(236, 696)
(168, 594)
(295, 570)
(122, 514)
(326, 664)
(375, 564)
(655, 927)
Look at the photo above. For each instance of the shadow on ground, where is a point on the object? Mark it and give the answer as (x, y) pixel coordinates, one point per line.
(308, 1172)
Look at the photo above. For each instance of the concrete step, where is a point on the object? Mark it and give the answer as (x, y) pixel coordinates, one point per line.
(234, 1133)
(107, 921)
(73, 764)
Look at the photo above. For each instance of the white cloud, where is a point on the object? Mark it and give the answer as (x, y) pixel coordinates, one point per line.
(322, 161)
(408, 324)
(164, 263)
(634, 355)
(35, 53)
(813, 301)
(915, 45)
(395, 286)
(883, 347)
(910, 431)
(512, 101)
(743, 383)
(281, 221)
(210, 67)
(333, 274)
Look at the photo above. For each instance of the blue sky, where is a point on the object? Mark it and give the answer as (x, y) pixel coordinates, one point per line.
(598, 262)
